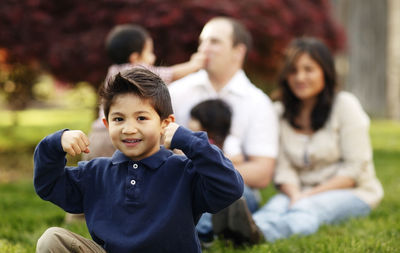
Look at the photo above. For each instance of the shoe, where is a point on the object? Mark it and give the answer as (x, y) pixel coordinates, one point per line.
(235, 222)
(220, 221)
(206, 240)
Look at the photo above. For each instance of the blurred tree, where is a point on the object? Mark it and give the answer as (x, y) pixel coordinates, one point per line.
(67, 36)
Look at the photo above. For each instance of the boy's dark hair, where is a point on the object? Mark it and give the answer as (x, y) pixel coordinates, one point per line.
(142, 83)
(320, 53)
(215, 118)
(123, 40)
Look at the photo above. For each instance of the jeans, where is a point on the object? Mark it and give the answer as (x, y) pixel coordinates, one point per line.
(204, 226)
(277, 219)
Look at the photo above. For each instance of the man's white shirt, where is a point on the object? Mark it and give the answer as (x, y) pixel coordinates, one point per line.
(254, 130)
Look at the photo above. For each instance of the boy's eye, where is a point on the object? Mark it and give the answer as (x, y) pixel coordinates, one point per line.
(140, 118)
(118, 119)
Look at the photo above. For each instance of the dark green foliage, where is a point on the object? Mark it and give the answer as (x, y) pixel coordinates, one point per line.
(67, 36)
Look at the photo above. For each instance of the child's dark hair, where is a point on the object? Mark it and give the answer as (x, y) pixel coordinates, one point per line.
(123, 40)
(215, 118)
(141, 82)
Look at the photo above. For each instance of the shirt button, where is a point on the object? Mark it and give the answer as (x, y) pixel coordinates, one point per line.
(133, 182)
(135, 166)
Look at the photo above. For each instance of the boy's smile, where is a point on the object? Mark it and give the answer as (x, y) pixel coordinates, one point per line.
(135, 127)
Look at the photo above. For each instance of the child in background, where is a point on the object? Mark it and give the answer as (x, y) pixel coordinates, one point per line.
(214, 116)
(144, 198)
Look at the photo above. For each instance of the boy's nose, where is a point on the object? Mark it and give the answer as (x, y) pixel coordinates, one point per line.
(129, 129)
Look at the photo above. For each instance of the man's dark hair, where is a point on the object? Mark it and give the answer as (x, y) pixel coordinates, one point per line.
(123, 40)
(215, 118)
(320, 53)
(142, 83)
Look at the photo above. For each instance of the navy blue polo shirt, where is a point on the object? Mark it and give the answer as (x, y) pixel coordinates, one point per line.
(150, 205)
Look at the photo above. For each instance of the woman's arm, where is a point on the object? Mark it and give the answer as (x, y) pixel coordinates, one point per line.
(338, 182)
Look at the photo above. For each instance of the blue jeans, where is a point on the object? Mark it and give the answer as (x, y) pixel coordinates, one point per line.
(277, 219)
(204, 226)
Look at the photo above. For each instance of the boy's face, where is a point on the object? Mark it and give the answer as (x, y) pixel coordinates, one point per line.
(147, 56)
(135, 127)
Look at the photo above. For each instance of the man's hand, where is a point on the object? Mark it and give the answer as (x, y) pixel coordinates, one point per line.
(169, 133)
(74, 142)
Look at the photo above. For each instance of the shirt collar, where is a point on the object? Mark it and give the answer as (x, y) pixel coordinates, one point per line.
(152, 162)
(235, 85)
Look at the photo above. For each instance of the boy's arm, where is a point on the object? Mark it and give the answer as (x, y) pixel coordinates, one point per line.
(218, 184)
(50, 175)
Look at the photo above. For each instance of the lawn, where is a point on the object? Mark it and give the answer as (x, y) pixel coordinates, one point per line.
(24, 216)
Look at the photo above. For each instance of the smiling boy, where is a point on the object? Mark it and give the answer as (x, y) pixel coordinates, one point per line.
(144, 198)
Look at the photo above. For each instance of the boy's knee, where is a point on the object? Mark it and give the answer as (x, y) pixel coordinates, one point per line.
(50, 240)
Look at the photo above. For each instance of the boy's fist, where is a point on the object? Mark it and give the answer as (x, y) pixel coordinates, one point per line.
(169, 133)
(74, 142)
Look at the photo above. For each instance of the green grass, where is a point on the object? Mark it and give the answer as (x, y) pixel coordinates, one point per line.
(24, 129)
(24, 216)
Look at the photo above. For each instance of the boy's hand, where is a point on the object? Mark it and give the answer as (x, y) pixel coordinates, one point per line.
(169, 133)
(74, 142)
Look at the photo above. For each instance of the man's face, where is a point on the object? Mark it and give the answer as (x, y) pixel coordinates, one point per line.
(135, 127)
(216, 43)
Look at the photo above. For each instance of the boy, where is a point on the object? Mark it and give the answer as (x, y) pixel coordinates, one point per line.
(130, 46)
(144, 198)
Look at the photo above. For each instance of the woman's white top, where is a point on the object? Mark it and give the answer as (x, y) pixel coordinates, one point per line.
(341, 148)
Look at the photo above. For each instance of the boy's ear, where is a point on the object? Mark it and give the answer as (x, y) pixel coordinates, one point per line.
(165, 122)
(134, 57)
(105, 122)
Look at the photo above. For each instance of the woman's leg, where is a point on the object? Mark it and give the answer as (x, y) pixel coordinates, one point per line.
(307, 215)
(269, 218)
(338, 205)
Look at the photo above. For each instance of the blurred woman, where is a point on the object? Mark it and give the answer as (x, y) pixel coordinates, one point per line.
(325, 172)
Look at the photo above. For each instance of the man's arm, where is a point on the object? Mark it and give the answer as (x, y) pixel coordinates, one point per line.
(257, 171)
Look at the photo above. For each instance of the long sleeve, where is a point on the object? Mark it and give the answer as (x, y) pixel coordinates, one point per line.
(218, 184)
(52, 180)
(354, 138)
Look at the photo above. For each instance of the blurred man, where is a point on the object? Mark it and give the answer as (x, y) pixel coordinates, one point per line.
(254, 131)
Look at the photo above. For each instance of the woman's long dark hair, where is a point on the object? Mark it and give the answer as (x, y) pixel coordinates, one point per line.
(320, 53)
